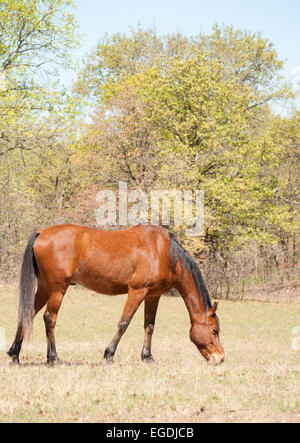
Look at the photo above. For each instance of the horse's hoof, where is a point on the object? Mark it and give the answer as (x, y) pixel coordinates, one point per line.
(14, 362)
(108, 356)
(148, 360)
(54, 362)
(109, 360)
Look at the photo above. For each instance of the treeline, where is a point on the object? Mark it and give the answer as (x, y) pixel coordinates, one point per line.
(159, 112)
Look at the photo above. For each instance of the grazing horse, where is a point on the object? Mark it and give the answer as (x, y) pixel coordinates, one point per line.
(144, 261)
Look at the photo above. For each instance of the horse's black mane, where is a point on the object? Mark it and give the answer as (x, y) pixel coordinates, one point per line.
(178, 253)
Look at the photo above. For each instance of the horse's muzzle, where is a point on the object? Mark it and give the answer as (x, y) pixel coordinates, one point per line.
(216, 359)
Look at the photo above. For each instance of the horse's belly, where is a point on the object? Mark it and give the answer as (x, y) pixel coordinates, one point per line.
(101, 284)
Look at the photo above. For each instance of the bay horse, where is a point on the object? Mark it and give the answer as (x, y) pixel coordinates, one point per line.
(144, 261)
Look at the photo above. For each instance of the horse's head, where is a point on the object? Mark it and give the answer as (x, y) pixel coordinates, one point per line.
(205, 335)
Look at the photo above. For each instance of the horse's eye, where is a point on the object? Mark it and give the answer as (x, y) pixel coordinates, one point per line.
(215, 331)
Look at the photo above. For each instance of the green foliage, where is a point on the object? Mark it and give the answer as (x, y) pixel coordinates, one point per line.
(35, 36)
(197, 114)
(34, 32)
(200, 105)
(120, 55)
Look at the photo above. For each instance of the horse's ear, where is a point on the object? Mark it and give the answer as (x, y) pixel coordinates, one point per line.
(214, 307)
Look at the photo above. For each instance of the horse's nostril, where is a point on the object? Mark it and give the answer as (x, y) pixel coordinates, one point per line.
(223, 359)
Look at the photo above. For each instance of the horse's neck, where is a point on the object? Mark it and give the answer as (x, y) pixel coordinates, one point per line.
(193, 300)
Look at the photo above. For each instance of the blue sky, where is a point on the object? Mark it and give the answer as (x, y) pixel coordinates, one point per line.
(278, 20)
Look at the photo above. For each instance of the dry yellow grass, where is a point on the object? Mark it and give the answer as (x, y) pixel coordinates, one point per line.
(260, 380)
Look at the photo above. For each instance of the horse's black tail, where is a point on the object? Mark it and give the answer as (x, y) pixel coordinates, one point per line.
(27, 288)
(178, 253)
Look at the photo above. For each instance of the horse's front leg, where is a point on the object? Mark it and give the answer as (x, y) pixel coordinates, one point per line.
(151, 304)
(134, 299)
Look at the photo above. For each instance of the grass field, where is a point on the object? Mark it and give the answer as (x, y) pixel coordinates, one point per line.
(260, 380)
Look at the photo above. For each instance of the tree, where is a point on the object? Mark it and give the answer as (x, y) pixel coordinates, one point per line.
(120, 55)
(34, 37)
(207, 104)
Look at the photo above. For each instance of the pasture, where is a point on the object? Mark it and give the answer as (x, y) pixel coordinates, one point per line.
(260, 380)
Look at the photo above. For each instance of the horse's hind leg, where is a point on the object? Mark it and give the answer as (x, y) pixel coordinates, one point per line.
(151, 305)
(50, 317)
(41, 298)
(15, 348)
(134, 299)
